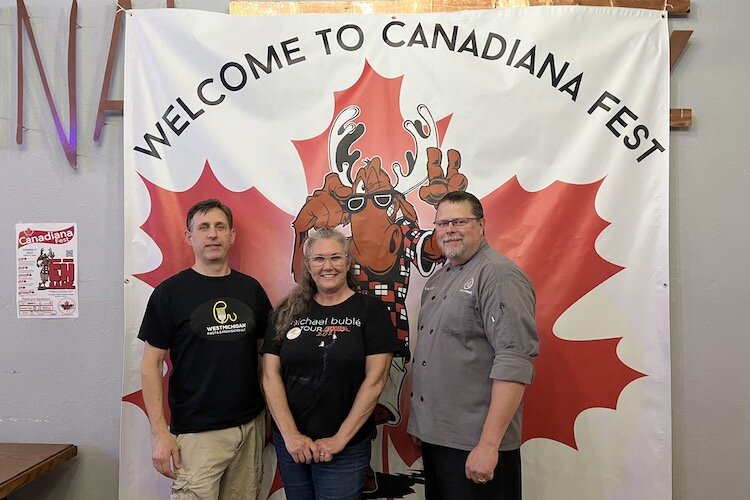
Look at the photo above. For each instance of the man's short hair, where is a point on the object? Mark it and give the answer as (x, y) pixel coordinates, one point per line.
(203, 207)
(464, 196)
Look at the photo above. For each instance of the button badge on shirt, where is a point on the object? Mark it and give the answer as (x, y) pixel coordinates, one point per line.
(293, 333)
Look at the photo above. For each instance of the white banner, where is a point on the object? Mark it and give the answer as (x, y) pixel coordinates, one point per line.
(560, 115)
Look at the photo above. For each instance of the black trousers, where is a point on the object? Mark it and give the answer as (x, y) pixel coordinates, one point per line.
(445, 476)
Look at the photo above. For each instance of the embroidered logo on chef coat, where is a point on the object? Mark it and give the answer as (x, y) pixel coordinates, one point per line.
(467, 286)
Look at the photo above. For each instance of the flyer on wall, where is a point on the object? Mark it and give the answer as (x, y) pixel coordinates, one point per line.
(47, 270)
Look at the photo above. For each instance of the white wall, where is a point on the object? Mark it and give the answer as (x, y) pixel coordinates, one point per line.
(60, 381)
(710, 243)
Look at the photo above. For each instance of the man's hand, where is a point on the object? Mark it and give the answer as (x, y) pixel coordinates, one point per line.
(481, 463)
(302, 449)
(327, 448)
(165, 454)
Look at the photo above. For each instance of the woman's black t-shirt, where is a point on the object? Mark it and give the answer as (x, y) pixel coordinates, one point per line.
(323, 361)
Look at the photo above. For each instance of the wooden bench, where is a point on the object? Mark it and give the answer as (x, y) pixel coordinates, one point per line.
(21, 463)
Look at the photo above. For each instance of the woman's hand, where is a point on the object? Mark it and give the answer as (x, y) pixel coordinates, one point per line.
(302, 449)
(328, 447)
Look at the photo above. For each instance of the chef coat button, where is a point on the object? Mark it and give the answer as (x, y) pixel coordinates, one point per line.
(424, 363)
(433, 298)
(421, 398)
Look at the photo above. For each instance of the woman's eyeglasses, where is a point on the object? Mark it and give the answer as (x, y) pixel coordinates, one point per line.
(336, 260)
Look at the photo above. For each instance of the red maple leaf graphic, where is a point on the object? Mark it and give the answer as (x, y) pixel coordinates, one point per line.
(262, 246)
(551, 235)
(262, 230)
(378, 99)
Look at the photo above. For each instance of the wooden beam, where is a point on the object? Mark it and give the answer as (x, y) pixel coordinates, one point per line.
(678, 7)
(677, 41)
(244, 8)
(265, 8)
(680, 118)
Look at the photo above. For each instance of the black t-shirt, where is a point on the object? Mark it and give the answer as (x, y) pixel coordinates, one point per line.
(211, 326)
(323, 361)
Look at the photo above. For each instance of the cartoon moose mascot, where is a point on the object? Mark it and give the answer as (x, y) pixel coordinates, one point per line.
(385, 235)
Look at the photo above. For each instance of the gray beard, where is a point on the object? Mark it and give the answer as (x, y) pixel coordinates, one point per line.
(456, 250)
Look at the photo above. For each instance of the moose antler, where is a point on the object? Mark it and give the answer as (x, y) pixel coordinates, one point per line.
(424, 133)
(344, 133)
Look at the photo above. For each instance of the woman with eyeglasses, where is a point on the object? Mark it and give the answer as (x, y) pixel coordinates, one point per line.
(326, 359)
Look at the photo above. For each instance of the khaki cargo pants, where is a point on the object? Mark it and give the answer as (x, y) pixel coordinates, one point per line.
(221, 465)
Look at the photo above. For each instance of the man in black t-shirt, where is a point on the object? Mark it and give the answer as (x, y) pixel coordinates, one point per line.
(209, 318)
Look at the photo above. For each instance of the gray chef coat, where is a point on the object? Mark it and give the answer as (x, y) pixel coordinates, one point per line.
(476, 325)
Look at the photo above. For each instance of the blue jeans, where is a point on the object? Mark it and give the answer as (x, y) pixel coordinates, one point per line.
(340, 479)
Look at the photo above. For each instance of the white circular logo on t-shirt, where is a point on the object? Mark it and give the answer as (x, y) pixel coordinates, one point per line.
(294, 333)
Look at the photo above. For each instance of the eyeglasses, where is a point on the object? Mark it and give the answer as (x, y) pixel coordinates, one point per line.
(336, 260)
(457, 223)
(381, 200)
